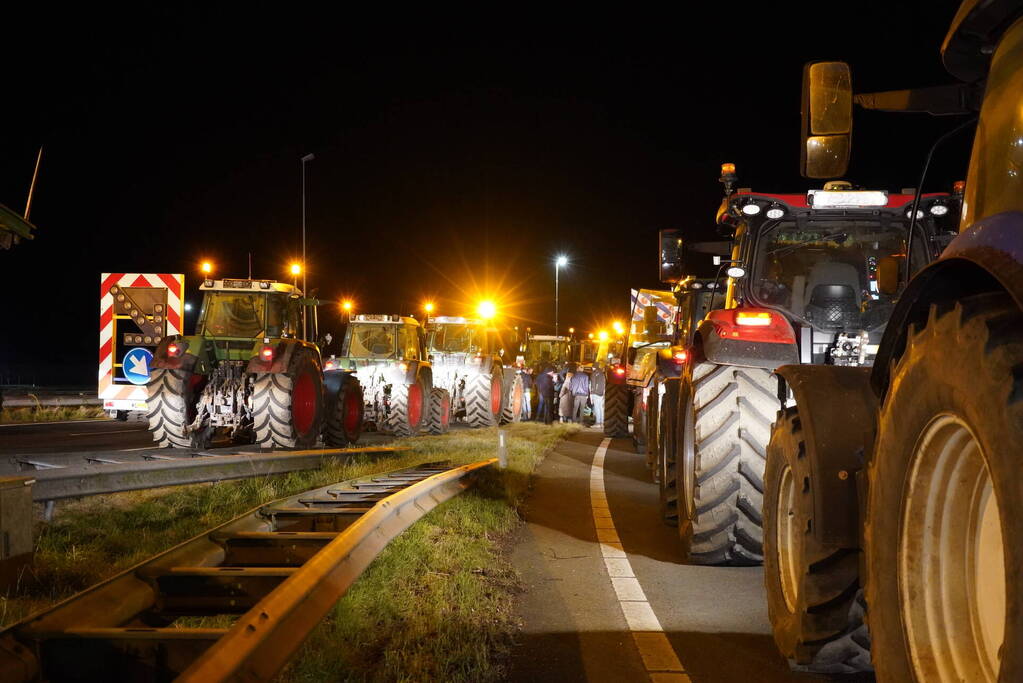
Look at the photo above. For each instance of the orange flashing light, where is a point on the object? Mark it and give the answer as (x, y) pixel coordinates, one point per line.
(959, 187)
(727, 169)
(759, 318)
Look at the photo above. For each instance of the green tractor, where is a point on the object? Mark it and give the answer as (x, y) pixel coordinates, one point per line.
(248, 373)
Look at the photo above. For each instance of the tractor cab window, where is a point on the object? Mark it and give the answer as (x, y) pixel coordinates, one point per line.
(454, 339)
(408, 342)
(276, 316)
(231, 314)
(825, 272)
(370, 341)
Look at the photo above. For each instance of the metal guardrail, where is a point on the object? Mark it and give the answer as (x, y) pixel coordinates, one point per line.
(281, 567)
(47, 398)
(107, 475)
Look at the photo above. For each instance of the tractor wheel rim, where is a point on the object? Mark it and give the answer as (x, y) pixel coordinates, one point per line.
(351, 412)
(785, 538)
(415, 404)
(951, 566)
(495, 395)
(687, 454)
(303, 403)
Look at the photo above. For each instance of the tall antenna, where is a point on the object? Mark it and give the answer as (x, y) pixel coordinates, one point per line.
(32, 187)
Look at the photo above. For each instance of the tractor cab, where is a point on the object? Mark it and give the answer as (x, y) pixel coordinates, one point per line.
(382, 338)
(249, 309)
(456, 335)
(833, 261)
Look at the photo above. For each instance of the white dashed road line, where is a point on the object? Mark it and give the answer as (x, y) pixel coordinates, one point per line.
(655, 649)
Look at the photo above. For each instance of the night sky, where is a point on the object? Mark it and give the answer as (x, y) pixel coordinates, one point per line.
(455, 154)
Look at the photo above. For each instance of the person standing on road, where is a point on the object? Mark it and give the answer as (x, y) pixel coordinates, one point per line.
(580, 387)
(545, 393)
(597, 384)
(526, 375)
(567, 400)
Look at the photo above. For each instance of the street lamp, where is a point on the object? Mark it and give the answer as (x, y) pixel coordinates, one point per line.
(296, 270)
(428, 307)
(559, 263)
(305, 291)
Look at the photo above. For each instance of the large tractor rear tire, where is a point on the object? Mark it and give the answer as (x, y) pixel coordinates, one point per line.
(287, 408)
(665, 465)
(639, 415)
(813, 595)
(171, 402)
(440, 411)
(723, 449)
(484, 399)
(343, 425)
(408, 408)
(943, 509)
(616, 410)
(514, 398)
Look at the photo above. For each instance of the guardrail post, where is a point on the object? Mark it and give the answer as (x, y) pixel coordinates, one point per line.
(15, 528)
(502, 449)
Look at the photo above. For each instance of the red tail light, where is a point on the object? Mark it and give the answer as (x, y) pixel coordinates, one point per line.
(174, 350)
(680, 357)
(619, 370)
(266, 354)
(752, 325)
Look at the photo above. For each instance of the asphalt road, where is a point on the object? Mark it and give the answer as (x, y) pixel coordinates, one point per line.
(670, 623)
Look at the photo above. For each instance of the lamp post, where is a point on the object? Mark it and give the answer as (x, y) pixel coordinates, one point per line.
(558, 263)
(305, 291)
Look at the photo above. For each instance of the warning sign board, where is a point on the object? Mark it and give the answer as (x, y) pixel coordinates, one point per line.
(136, 311)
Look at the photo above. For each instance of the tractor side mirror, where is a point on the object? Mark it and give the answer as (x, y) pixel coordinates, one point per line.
(888, 275)
(631, 355)
(671, 256)
(827, 120)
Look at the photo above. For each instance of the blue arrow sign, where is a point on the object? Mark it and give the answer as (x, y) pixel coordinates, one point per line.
(136, 365)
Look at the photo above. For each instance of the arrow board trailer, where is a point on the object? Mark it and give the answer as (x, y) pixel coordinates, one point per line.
(136, 311)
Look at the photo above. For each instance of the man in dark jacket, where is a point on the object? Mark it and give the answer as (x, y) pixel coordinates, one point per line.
(526, 375)
(580, 387)
(545, 390)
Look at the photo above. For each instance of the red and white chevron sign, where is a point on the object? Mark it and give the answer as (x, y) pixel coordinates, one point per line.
(115, 306)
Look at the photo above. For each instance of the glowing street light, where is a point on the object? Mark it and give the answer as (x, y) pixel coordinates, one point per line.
(560, 262)
(428, 307)
(618, 328)
(487, 309)
(206, 267)
(602, 335)
(589, 336)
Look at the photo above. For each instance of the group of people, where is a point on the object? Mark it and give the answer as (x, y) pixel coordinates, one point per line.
(564, 395)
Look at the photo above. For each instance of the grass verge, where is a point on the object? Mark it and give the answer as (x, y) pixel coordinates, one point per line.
(50, 414)
(436, 604)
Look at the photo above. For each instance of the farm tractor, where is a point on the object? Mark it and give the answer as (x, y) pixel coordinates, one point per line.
(249, 373)
(900, 482)
(466, 358)
(388, 354)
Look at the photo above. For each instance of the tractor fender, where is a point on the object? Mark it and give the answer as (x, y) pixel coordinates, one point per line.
(186, 361)
(419, 370)
(284, 351)
(716, 348)
(333, 380)
(838, 416)
(987, 257)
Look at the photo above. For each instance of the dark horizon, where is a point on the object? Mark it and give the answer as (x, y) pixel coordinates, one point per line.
(450, 163)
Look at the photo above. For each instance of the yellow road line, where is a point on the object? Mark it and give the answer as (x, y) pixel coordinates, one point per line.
(659, 657)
